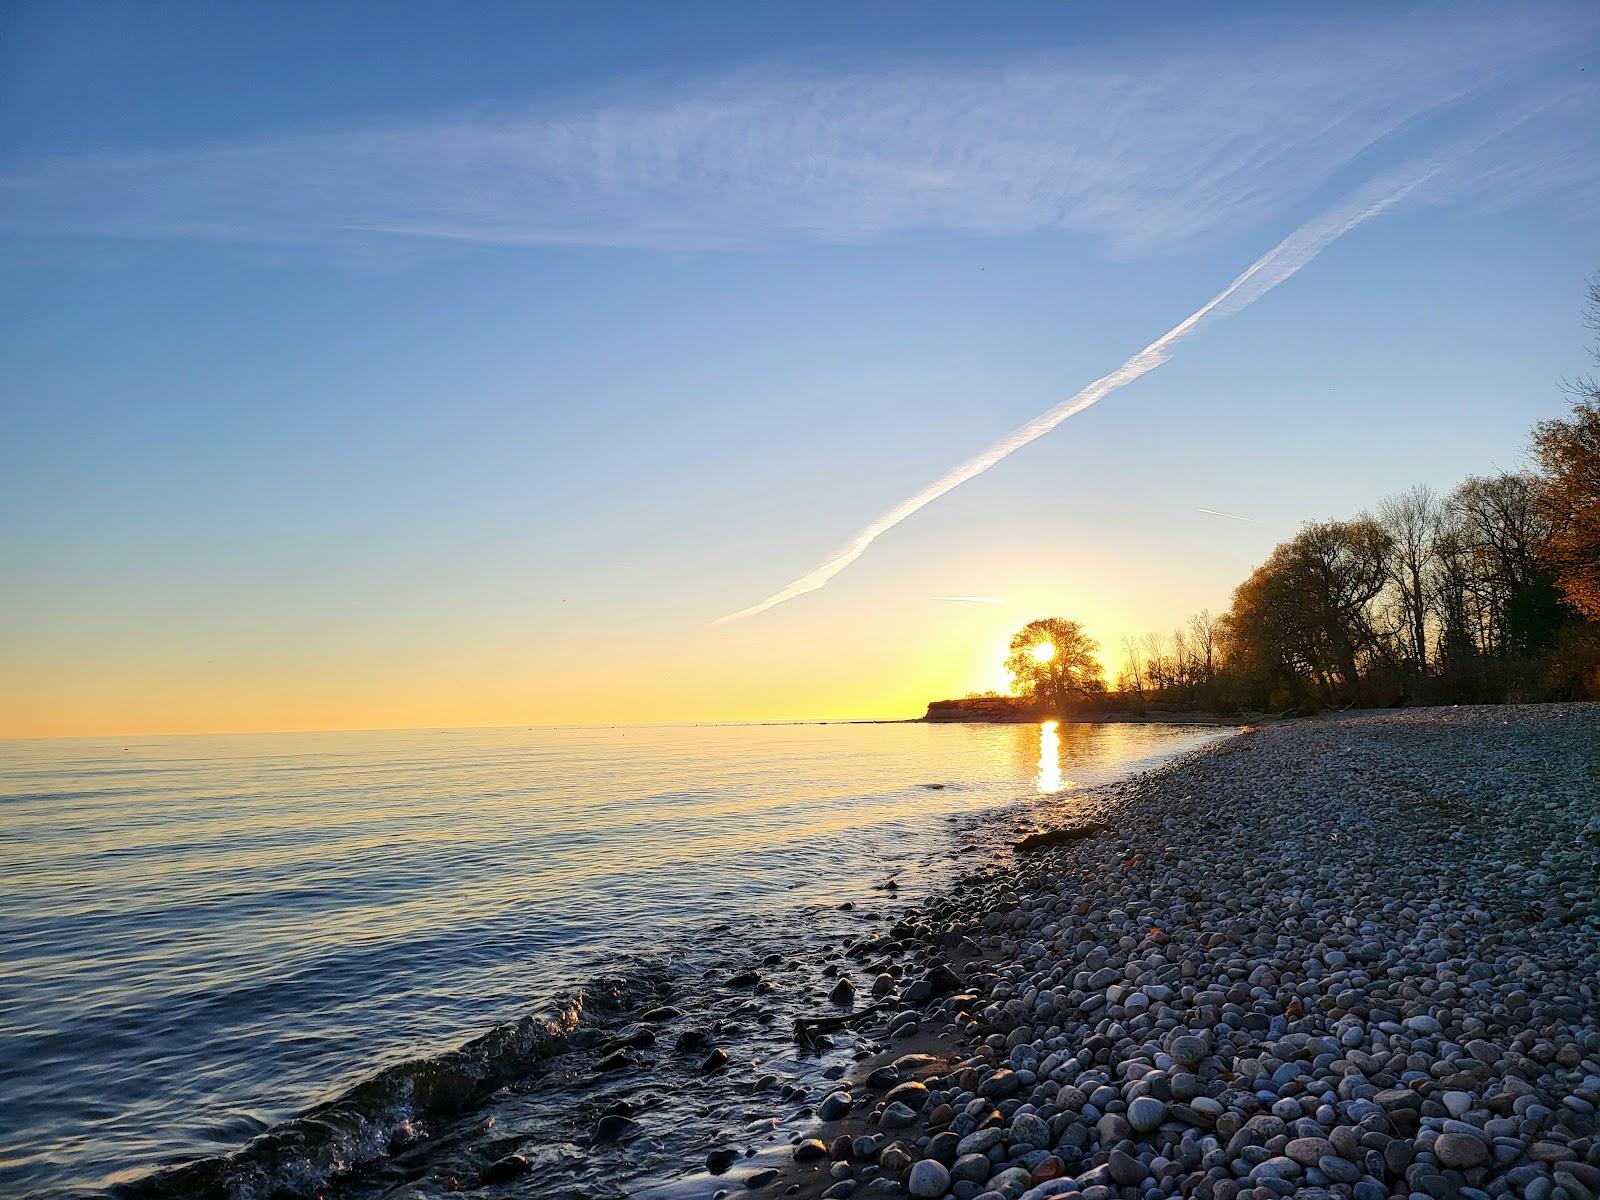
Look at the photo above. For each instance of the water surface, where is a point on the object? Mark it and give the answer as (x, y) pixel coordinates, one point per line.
(204, 935)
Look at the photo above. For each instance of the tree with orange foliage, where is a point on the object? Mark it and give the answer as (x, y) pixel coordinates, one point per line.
(1569, 452)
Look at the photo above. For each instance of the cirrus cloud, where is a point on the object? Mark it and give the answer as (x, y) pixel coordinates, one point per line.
(1150, 147)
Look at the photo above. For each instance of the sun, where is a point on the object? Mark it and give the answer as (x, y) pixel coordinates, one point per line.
(1044, 652)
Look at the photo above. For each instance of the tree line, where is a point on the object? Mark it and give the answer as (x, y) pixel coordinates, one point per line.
(1487, 593)
(1490, 592)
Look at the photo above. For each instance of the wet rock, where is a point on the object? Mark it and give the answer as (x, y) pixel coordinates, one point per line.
(834, 1106)
(942, 981)
(1060, 837)
(897, 1116)
(1001, 1083)
(690, 1039)
(636, 1036)
(615, 1127)
(866, 1146)
(502, 1169)
(911, 1093)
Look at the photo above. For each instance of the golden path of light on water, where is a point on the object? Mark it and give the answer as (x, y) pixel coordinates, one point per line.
(1050, 778)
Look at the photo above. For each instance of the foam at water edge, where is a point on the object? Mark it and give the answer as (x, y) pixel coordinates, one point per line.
(371, 1120)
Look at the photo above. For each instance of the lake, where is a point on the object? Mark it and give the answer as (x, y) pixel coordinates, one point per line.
(204, 935)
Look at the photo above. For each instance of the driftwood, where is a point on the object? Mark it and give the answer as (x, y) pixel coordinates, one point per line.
(1058, 837)
(806, 1028)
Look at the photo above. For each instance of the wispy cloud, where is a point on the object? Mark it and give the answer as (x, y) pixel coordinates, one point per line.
(972, 599)
(1166, 143)
(1260, 277)
(1457, 168)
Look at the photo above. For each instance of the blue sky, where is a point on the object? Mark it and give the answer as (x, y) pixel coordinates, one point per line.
(399, 364)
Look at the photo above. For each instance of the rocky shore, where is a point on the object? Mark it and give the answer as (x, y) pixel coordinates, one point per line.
(1347, 957)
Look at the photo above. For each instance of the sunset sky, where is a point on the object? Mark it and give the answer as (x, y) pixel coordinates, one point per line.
(374, 365)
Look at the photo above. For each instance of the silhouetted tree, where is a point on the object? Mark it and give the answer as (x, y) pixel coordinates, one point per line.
(1203, 638)
(1451, 590)
(1491, 593)
(1308, 611)
(1132, 676)
(1501, 527)
(1411, 519)
(1053, 661)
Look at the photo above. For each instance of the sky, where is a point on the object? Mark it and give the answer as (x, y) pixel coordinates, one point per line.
(369, 365)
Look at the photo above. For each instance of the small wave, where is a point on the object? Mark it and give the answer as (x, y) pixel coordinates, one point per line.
(374, 1119)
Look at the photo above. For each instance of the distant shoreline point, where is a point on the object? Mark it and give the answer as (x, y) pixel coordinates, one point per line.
(1010, 710)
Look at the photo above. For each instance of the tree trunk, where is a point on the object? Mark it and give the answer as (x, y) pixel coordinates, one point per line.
(1419, 630)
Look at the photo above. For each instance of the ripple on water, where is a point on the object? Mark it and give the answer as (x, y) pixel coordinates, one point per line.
(207, 935)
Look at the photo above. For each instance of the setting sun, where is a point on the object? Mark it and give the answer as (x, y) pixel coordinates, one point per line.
(1044, 652)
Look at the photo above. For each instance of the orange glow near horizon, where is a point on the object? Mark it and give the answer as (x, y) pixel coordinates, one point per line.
(877, 657)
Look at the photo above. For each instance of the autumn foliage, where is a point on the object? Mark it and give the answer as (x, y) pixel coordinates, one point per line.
(1488, 593)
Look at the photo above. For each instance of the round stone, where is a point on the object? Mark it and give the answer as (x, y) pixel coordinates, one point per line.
(1146, 1113)
(971, 1168)
(1460, 1150)
(834, 1105)
(1126, 1170)
(928, 1180)
(1029, 1130)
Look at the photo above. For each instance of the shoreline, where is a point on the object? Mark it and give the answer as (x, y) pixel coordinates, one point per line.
(627, 1080)
(1299, 900)
(1160, 717)
(1399, 994)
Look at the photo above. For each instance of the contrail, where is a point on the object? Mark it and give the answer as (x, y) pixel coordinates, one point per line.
(1211, 512)
(972, 599)
(1266, 273)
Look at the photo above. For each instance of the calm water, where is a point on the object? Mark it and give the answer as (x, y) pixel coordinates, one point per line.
(204, 935)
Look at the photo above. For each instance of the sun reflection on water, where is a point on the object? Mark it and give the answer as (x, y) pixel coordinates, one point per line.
(1049, 778)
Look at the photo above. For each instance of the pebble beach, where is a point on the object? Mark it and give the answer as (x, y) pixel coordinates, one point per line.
(1356, 956)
